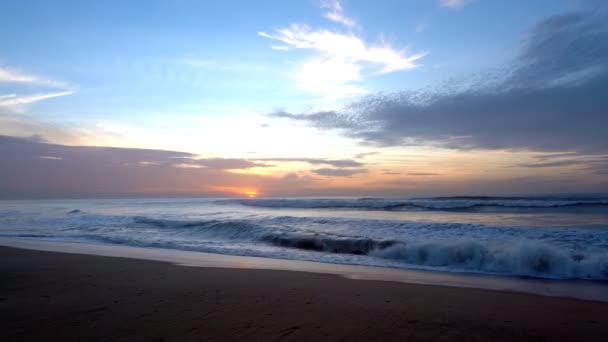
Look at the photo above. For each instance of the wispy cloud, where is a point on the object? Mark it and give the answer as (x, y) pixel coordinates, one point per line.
(558, 163)
(338, 172)
(17, 101)
(336, 13)
(280, 47)
(365, 154)
(421, 27)
(337, 69)
(14, 100)
(7, 96)
(597, 164)
(10, 75)
(346, 47)
(317, 161)
(551, 156)
(454, 4)
(221, 163)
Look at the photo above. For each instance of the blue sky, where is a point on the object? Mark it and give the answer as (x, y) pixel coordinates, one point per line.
(209, 77)
(123, 57)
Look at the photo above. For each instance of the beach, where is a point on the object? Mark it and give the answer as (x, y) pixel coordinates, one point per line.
(67, 297)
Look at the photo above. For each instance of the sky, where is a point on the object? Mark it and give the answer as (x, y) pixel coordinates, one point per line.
(303, 98)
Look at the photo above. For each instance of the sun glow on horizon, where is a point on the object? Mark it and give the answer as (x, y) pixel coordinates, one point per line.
(251, 193)
(237, 191)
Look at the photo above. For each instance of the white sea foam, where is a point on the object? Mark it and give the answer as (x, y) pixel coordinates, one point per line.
(533, 259)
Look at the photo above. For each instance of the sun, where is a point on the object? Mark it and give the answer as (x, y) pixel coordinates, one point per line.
(251, 193)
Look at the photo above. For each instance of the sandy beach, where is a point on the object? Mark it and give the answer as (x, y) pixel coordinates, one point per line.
(68, 297)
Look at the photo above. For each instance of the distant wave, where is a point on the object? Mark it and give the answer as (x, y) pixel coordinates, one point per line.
(440, 203)
(525, 257)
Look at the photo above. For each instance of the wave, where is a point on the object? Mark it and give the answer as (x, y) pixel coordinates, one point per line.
(327, 243)
(457, 252)
(439, 203)
(532, 259)
(219, 229)
(279, 236)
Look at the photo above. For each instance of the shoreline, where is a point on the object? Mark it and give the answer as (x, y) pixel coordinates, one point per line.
(55, 296)
(575, 289)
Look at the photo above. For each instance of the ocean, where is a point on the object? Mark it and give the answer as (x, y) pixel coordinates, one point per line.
(539, 237)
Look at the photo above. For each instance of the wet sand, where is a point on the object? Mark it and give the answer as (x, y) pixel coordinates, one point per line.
(67, 297)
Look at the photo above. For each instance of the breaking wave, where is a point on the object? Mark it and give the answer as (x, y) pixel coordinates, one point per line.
(456, 249)
(523, 259)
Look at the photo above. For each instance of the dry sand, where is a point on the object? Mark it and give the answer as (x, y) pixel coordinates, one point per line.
(47, 296)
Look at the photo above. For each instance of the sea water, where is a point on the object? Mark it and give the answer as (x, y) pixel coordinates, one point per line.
(541, 237)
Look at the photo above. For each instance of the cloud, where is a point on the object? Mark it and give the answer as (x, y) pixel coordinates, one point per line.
(423, 174)
(596, 164)
(365, 155)
(543, 157)
(553, 164)
(280, 47)
(227, 163)
(7, 96)
(552, 97)
(333, 77)
(421, 27)
(14, 100)
(24, 126)
(291, 176)
(346, 47)
(454, 4)
(338, 172)
(339, 167)
(317, 161)
(322, 119)
(341, 57)
(34, 168)
(9, 75)
(336, 13)
(31, 167)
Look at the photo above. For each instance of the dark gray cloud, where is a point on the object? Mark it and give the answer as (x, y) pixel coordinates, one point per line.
(552, 97)
(423, 174)
(338, 172)
(31, 167)
(14, 149)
